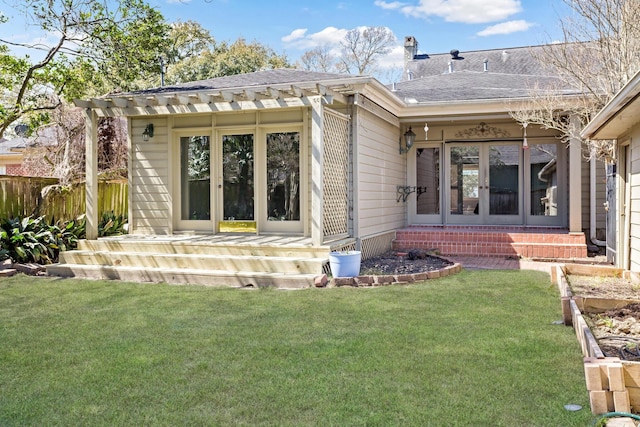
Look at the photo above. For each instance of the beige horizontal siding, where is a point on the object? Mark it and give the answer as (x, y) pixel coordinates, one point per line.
(150, 178)
(634, 237)
(380, 170)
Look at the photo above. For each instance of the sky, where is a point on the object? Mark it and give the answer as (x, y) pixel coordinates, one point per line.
(292, 27)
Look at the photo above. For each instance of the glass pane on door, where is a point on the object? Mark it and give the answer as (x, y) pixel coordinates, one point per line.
(283, 176)
(544, 179)
(464, 180)
(238, 184)
(428, 181)
(195, 178)
(504, 179)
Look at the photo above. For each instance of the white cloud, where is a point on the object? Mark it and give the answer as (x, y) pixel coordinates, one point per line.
(506, 28)
(388, 5)
(294, 35)
(393, 59)
(464, 11)
(329, 36)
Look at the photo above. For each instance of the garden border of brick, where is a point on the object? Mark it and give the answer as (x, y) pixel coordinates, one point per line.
(371, 280)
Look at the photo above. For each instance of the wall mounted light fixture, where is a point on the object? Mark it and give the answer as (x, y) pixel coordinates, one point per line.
(525, 145)
(409, 138)
(148, 132)
(426, 131)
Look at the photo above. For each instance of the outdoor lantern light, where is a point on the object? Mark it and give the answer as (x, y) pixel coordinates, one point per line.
(426, 131)
(409, 137)
(525, 145)
(148, 132)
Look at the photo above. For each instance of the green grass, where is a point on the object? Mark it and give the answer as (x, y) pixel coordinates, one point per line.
(473, 349)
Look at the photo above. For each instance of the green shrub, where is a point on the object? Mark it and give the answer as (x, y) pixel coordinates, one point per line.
(111, 224)
(33, 240)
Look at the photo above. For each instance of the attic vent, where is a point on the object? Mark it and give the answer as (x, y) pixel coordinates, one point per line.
(455, 54)
(485, 63)
(505, 55)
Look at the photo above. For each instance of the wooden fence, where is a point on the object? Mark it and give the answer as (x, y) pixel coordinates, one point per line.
(25, 196)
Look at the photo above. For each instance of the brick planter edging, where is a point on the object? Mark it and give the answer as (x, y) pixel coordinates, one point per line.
(394, 279)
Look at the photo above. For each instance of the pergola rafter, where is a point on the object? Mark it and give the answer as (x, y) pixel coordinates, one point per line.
(204, 100)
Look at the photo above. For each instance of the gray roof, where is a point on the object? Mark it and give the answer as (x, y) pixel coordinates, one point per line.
(511, 73)
(12, 146)
(471, 85)
(256, 79)
(517, 60)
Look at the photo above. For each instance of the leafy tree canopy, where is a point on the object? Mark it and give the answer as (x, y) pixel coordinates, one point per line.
(95, 46)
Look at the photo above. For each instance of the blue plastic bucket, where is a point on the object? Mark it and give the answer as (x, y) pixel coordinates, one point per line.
(345, 264)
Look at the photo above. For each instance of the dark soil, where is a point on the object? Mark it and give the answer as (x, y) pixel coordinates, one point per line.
(393, 263)
(617, 331)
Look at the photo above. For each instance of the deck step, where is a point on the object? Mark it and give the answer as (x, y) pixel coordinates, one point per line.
(233, 263)
(204, 246)
(184, 276)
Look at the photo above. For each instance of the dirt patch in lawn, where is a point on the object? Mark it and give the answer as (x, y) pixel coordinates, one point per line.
(617, 330)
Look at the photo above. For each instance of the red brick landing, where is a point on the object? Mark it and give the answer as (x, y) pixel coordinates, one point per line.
(527, 242)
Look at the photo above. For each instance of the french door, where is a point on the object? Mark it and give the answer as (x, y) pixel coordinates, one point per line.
(484, 184)
(236, 184)
(239, 181)
(192, 185)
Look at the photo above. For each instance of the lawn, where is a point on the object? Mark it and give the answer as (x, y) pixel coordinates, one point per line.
(473, 349)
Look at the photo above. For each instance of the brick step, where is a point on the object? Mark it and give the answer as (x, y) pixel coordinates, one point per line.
(528, 243)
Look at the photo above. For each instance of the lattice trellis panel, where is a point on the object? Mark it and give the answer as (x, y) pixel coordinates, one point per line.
(377, 245)
(335, 177)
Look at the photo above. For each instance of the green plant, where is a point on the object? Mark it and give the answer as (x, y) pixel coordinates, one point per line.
(34, 240)
(111, 224)
(26, 239)
(4, 253)
(605, 320)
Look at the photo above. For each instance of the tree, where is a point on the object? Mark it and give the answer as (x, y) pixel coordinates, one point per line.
(597, 57)
(98, 47)
(319, 58)
(357, 53)
(361, 47)
(193, 54)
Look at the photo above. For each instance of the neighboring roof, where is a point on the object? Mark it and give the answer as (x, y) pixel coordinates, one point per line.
(619, 115)
(470, 85)
(12, 146)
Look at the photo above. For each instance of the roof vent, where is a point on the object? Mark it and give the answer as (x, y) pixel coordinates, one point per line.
(505, 55)
(455, 54)
(450, 66)
(485, 64)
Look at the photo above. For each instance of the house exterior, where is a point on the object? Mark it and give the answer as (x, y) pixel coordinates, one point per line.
(323, 157)
(619, 120)
(11, 155)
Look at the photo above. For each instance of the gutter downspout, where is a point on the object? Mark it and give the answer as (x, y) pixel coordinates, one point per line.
(592, 204)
